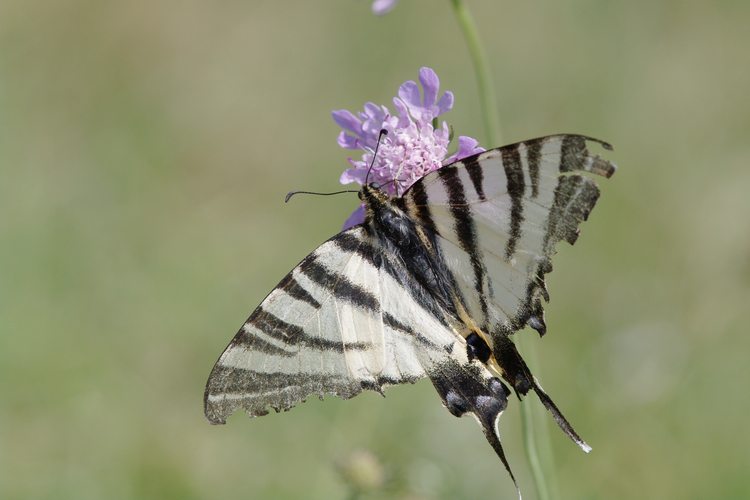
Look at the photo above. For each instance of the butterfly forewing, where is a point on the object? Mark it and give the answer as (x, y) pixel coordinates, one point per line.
(336, 324)
(498, 216)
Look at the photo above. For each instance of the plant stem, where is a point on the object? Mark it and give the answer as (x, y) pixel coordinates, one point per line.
(487, 100)
(535, 432)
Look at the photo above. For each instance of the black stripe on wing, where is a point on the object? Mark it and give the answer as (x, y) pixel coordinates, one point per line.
(339, 285)
(516, 187)
(476, 175)
(533, 157)
(257, 391)
(421, 202)
(465, 229)
(294, 335)
(295, 290)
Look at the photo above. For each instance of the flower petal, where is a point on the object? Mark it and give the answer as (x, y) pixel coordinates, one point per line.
(376, 116)
(403, 113)
(346, 120)
(346, 141)
(353, 175)
(467, 146)
(375, 112)
(409, 93)
(431, 84)
(445, 103)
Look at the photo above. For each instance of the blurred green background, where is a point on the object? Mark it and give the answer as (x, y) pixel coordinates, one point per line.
(145, 150)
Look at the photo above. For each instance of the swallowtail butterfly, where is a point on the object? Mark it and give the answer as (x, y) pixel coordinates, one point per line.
(432, 284)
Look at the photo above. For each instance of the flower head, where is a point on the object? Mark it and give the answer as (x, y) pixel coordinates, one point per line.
(381, 7)
(416, 143)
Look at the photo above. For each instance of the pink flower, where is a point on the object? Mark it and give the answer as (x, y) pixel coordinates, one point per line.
(381, 7)
(416, 143)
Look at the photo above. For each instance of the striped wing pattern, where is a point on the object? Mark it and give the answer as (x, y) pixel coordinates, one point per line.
(432, 284)
(498, 216)
(338, 323)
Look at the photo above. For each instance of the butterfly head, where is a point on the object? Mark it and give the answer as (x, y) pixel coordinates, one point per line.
(371, 195)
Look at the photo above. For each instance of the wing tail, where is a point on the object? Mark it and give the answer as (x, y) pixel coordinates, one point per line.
(517, 372)
(471, 388)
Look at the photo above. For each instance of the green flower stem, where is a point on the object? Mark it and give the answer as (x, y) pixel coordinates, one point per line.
(487, 99)
(533, 415)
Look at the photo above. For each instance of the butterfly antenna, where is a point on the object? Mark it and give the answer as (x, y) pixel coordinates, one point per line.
(382, 133)
(292, 193)
(375, 153)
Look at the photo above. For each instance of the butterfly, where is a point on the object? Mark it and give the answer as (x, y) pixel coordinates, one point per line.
(432, 284)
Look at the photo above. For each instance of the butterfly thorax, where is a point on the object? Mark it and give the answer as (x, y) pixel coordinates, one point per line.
(386, 218)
